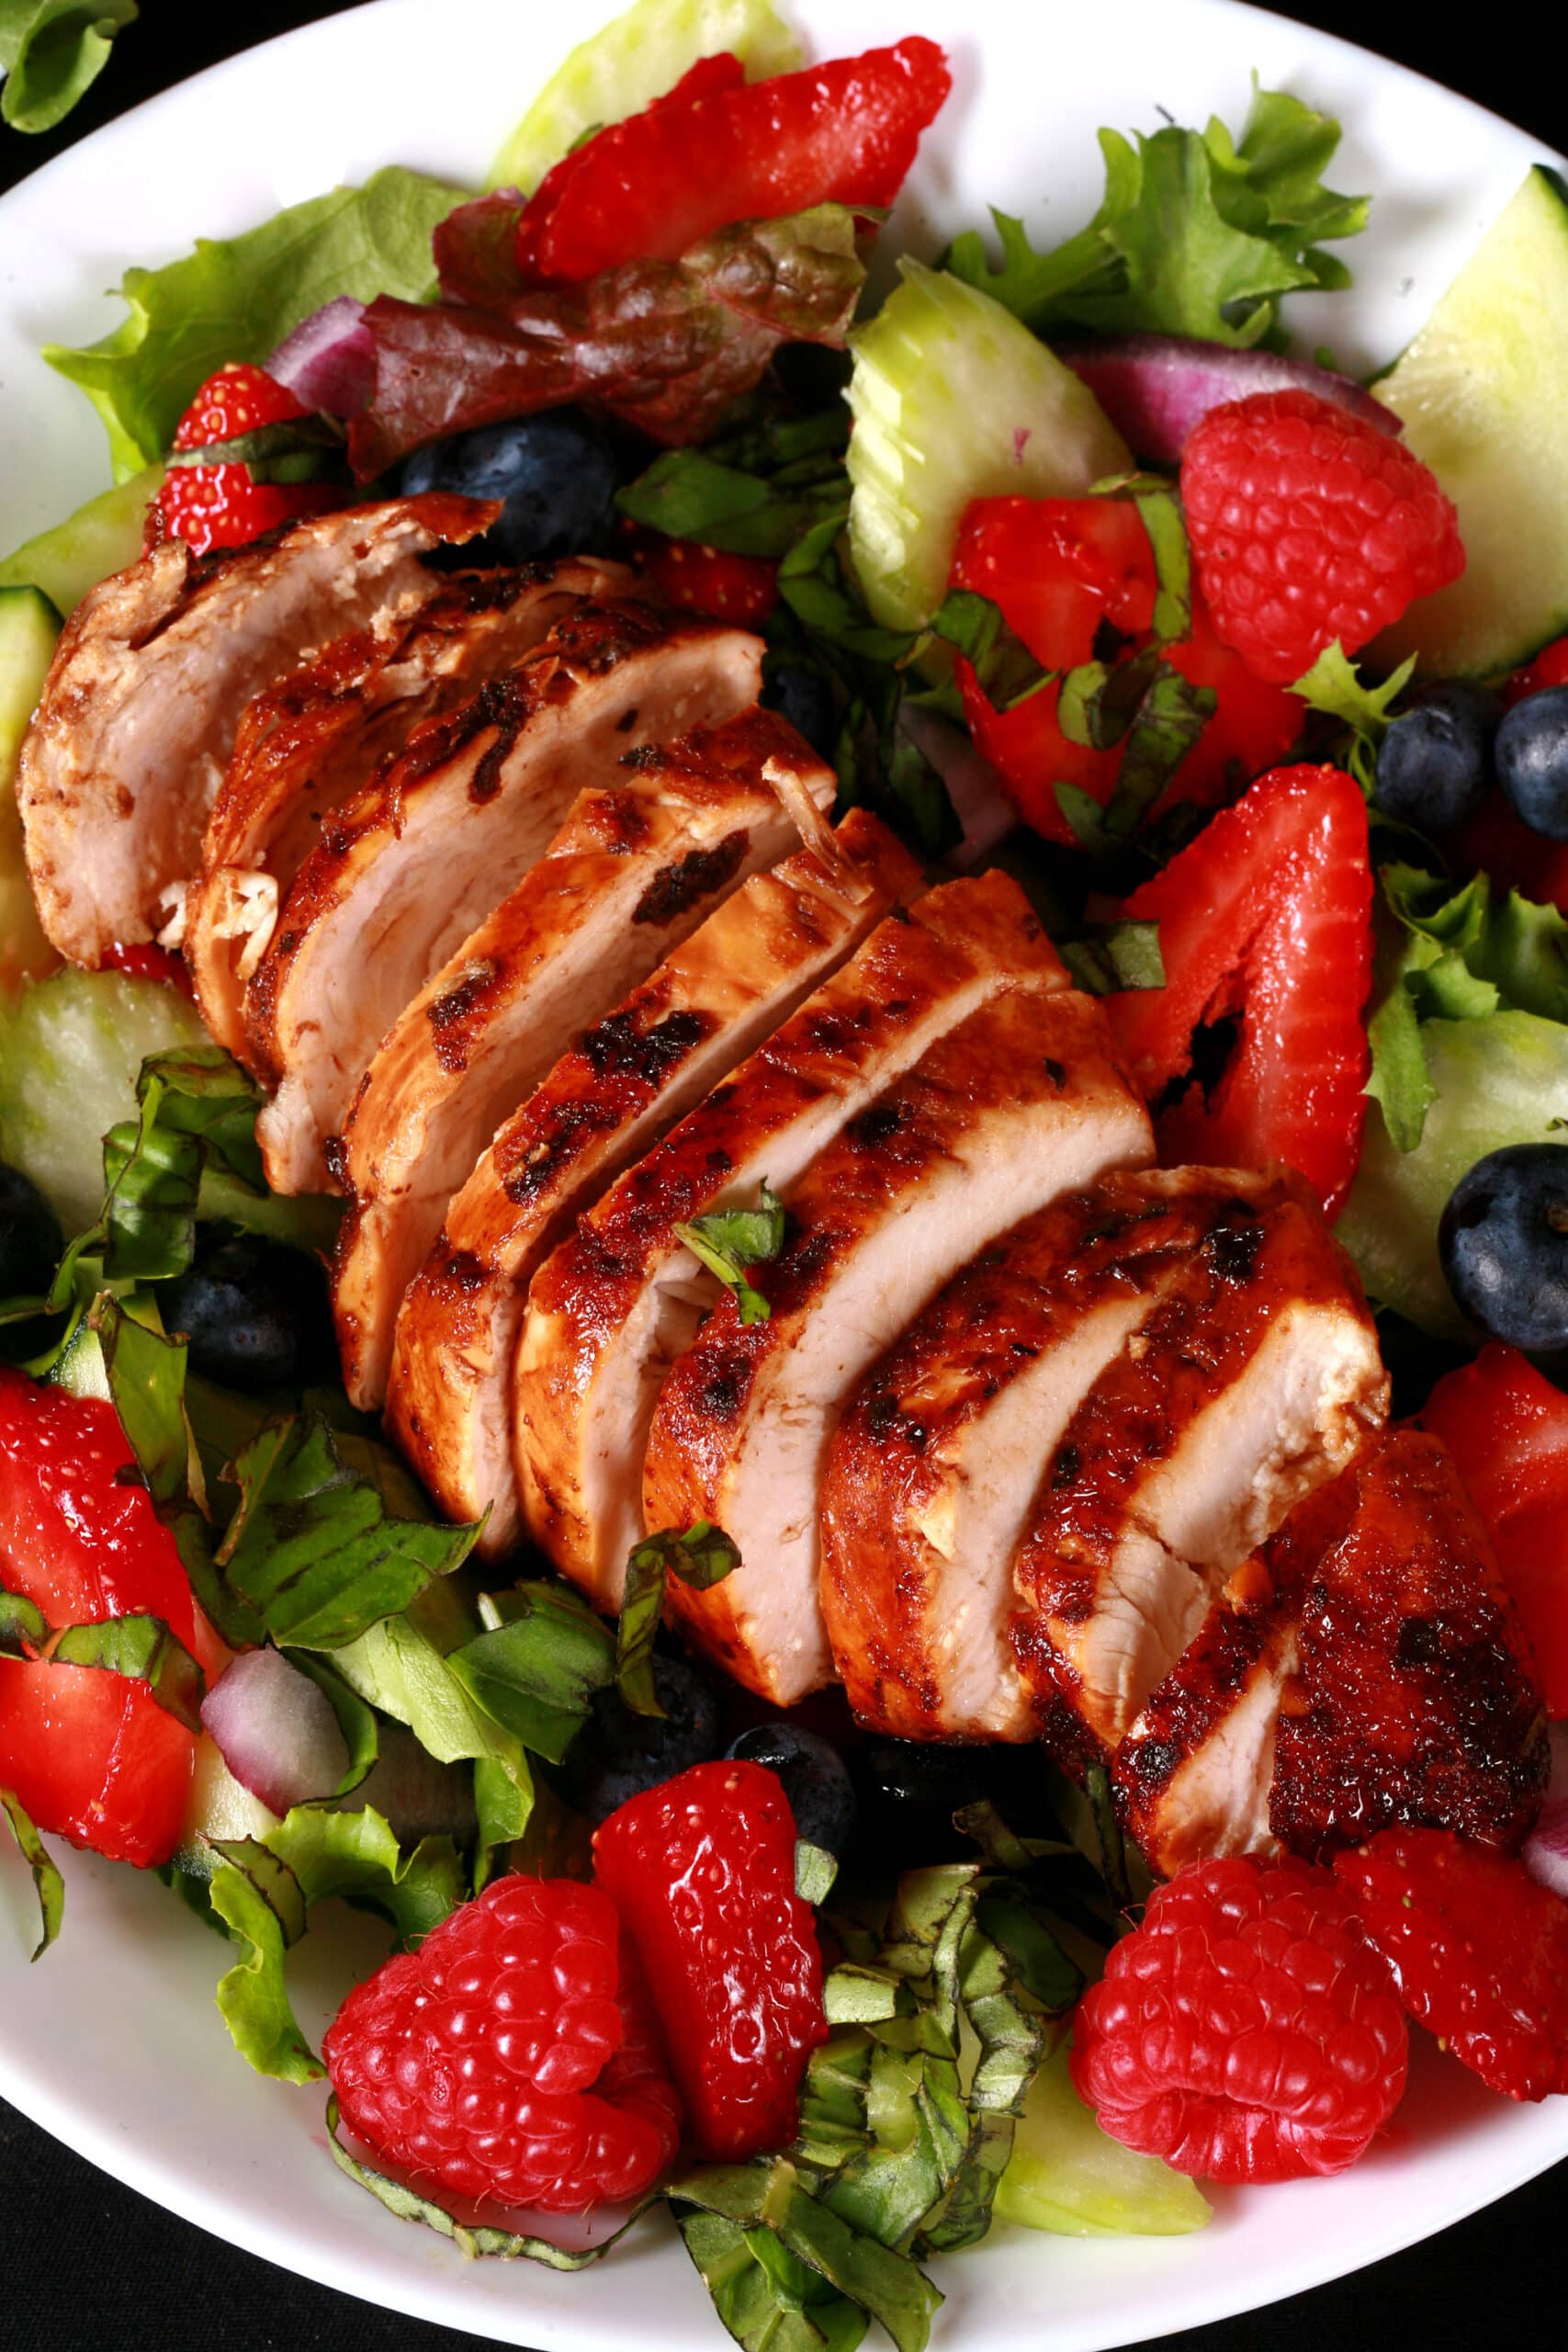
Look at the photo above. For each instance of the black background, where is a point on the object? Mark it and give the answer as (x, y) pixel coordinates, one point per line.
(84, 2263)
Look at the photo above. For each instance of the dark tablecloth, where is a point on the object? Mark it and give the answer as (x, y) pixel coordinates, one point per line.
(85, 2263)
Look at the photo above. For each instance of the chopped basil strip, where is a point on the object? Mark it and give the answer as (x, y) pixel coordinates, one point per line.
(729, 1240)
(143, 1650)
(48, 1884)
(24, 1628)
(701, 1556)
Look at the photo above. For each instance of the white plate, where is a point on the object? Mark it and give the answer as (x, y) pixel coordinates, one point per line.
(113, 2042)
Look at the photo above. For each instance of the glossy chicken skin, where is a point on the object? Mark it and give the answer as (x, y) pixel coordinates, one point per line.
(1254, 1379)
(1022, 1100)
(934, 1468)
(404, 874)
(309, 743)
(637, 864)
(137, 718)
(622, 1297)
(608, 1099)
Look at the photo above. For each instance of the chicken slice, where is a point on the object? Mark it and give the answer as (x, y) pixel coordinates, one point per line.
(408, 870)
(632, 872)
(1254, 1380)
(312, 740)
(1193, 1774)
(608, 1099)
(934, 1468)
(622, 1297)
(1414, 1699)
(1022, 1100)
(152, 670)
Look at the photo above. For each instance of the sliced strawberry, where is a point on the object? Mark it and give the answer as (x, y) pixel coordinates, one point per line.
(221, 506)
(143, 960)
(1067, 575)
(1506, 1426)
(1264, 920)
(650, 187)
(1480, 1950)
(1549, 668)
(1497, 843)
(90, 1752)
(739, 588)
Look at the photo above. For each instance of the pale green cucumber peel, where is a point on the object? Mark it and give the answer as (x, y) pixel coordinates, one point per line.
(633, 60)
(953, 400)
(1480, 390)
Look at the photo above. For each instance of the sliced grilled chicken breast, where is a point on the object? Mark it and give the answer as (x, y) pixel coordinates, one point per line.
(622, 1297)
(1254, 1380)
(1414, 1699)
(410, 869)
(312, 740)
(1194, 1775)
(137, 718)
(632, 872)
(1022, 1100)
(933, 1471)
(608, 1099)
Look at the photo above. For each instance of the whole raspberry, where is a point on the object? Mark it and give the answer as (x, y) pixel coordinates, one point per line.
(221, 506)
(702, 1869)
(1309, 525)
(1247, 2031)
(1480, 1949)
(513, 2058)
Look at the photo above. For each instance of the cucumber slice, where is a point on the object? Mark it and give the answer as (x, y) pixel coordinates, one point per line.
(218, 1806)
(953, 400)
(100, 537)
(1068, 2176)
(634, 61)
(1481, 394)
(71, 1047)
(1500, 1080)
(29, 628)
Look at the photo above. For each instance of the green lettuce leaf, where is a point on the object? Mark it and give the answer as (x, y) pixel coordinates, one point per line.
(238, 297)
(700, 1555)
(48, 1884)
(51, 53)
(1453, 954)
(314, 1550)
(1197, 233)
(1333, 687)
(536, 1669)
(260, 1901)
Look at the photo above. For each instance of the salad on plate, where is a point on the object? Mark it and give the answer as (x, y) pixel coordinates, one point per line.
(784, 1173)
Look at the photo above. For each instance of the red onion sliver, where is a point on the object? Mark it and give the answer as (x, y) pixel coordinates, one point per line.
(978, 795)
(329, 361)
(274, 1730)
(1154, 387)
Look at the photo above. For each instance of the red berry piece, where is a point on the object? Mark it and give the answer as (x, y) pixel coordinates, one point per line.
(1310, 525)
(1480, 1949)
(513, 2058)
(1247, 2031)
(703, 1870)
(221, 506)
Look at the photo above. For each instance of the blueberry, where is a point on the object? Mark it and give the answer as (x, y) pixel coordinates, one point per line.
(558, 473)
(617, 1754)
(1503, 1243)
(1532, 761)
(807, 699)
(1432, 768)
(816, 1781)
(255, 1313)
(32, 1243)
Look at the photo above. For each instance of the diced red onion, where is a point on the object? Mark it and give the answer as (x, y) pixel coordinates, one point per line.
(1546, 1850)
(329, 361)
(1154, 387)
(979, 798)
(274, 1730)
